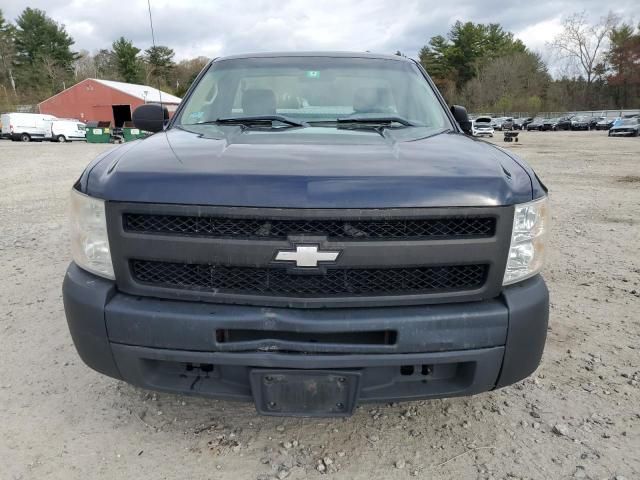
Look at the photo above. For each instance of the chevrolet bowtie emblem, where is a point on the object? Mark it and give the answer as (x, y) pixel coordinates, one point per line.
(306, 256)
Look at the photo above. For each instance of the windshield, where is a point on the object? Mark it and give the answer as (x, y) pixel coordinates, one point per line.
(314, 89)
(629, 121)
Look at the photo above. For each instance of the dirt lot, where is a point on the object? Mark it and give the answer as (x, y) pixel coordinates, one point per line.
(577, 417)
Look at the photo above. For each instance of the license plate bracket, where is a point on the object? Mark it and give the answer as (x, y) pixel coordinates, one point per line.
(305, 393)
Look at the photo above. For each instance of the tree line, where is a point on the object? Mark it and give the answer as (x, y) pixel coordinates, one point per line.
(487, 69)
(37, 60)
(481, 66)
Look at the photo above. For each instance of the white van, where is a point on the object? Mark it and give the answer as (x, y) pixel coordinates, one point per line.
(26, 126)
(66, 130)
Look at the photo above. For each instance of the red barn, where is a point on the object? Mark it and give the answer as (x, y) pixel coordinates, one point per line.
(94, 100)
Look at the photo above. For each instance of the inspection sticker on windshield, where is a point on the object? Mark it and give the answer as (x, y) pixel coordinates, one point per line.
(313, 74)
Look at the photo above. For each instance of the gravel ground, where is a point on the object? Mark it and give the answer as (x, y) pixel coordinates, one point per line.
(577, 417)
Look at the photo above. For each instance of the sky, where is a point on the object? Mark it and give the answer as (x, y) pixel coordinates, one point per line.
(214, 28)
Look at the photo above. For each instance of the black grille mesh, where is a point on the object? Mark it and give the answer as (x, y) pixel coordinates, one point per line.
(280, 228)
(335, 282)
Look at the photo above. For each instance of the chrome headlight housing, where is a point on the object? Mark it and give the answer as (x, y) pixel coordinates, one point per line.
(89, 240)
(528, 241)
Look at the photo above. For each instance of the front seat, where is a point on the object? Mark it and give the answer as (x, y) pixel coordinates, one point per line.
(258, 101)
(371, 100)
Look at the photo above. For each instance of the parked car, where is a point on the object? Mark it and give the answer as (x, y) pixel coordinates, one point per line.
(497, 122)
(526, 121)
(535, 124)
(549, 124)
(593, 122)
(616, 121)
(580, 123)
(604, 123)
(627, 127)
(517, 123)
(295, 258)
(506, 123)
(481, 127)
(26, 126)
(564, 123)
(65, 130)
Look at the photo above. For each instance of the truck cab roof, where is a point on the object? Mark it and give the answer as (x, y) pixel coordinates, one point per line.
(332, 54)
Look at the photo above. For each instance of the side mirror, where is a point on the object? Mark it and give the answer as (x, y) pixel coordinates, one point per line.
(150, 117)
(461, 116)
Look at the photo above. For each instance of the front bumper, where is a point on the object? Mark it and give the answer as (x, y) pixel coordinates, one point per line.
(622, 133)
(427, 351)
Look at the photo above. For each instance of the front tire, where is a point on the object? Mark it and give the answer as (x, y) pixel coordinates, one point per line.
(24, 137)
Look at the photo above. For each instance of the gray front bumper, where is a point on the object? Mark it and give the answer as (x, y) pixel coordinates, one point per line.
(438, 350)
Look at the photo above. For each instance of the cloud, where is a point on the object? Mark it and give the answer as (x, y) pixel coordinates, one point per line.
(224, 27)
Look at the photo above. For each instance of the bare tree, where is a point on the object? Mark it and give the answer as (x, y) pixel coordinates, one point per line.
(507, 83)
(7, 52)
(84, 66)
(582, 43)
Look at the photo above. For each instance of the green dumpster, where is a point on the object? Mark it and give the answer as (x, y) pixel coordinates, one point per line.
(98, 132)
(130, 132)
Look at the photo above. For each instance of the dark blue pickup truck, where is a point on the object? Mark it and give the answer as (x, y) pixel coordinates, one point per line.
(309, 231)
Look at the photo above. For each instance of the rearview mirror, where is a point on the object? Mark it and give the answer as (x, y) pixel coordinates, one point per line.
(461, 116)
(150, 117)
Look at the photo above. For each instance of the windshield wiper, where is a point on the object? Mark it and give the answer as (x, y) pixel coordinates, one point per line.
(376, 120)
(256, 120)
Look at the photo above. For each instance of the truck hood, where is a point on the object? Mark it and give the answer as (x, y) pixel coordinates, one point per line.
(313, 167)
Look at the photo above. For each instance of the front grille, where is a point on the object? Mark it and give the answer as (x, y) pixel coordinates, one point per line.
(335, 282)
(209, 226)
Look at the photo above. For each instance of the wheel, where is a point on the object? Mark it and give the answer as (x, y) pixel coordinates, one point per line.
(60, 139)
(516, 139)
(25, 137)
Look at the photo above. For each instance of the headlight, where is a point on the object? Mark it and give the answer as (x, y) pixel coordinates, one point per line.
(528, 238)
(89, 241)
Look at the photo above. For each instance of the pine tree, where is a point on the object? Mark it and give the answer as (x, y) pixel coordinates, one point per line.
(127, 61)
(44, 59)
